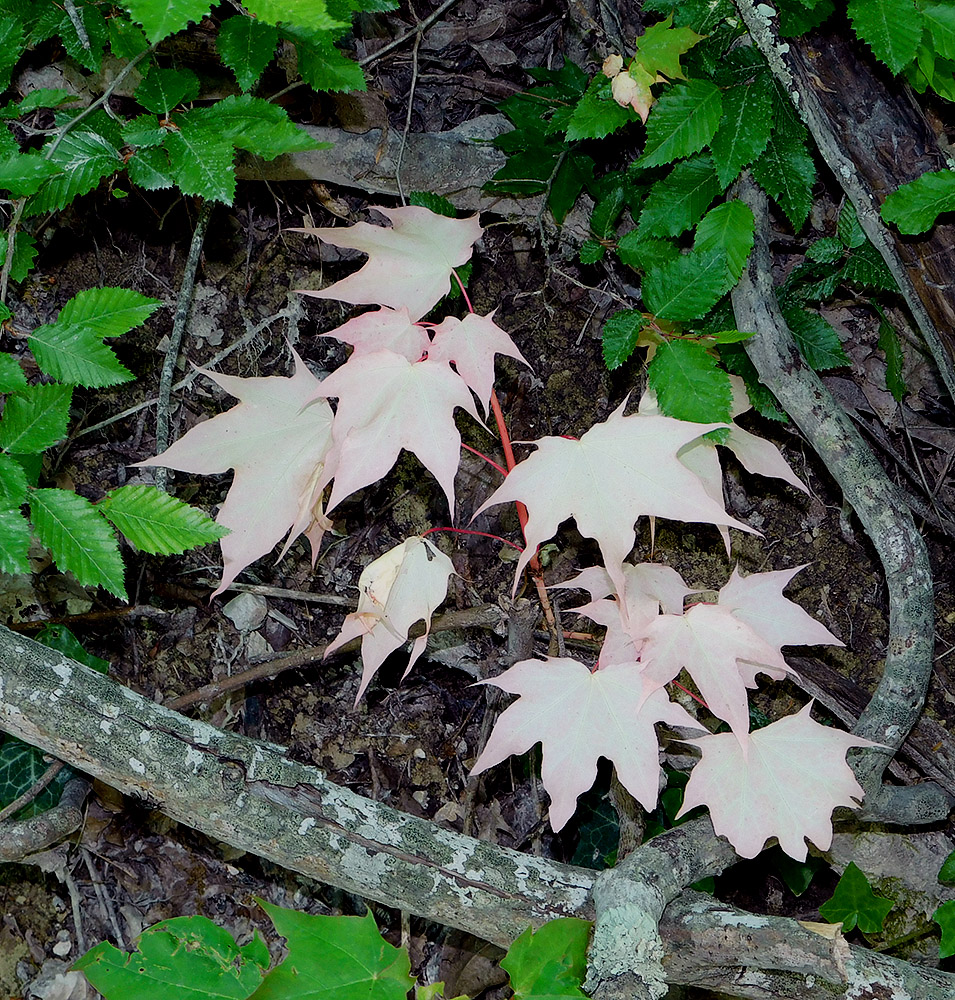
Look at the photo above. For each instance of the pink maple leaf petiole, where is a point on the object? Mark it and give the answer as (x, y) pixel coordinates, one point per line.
(470, 531)
(480, 454)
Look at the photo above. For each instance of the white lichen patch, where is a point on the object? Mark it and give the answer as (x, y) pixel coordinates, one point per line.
(305, 825)
(750, 920)
(63, 671)
(194, 759)
(145, 736)
(106, 726)
(137, 765)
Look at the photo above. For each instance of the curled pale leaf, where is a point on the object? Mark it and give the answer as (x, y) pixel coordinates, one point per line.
(402, 587)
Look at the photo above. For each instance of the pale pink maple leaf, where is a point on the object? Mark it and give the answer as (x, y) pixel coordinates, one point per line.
(384, 329)
(785, 784)
(721, 653)
(386, 403)
(275, 442)
(471, 344)
(409, 264)
(579, 716)
(758, 600)
(401, 587)
(618, 471)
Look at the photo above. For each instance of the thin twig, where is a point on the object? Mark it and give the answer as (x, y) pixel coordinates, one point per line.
(418, 30)
(407, 128)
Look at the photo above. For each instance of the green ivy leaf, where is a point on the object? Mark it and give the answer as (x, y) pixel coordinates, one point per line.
(816, 339)
(620, 334)
(891, 346)
(79, 539)
(946, 874)
(190, 958)
(915, 206)
(14, 542)
(164, 89)
(157, 523)
(84, 159)
(551, 962)
(246, 45)
(340, 958)
(35, 418)
(61, 638)
(25, 173)
(677, 202)
(21, 766)
(689, 383)
(12, 377)
(682, 122)
(944, 916)
(855, 904)
(728, 227)
(891, 28)
(159, 20)
(744, 128)
(688, 287)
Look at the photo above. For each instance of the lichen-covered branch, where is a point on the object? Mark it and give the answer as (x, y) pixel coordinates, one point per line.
(897, 702)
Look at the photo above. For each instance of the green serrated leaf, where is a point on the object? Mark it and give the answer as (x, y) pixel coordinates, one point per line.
(728, 227)
(79, 538)
(682, 122)
(35, 418)
(76, 356)
(744, 128)
(159, 20)
(891, 345)
(311, 15)
(597, 114)
(45, 97)
(246, 46)
(848, 229)
(915, 206)
(550, 962)
(701, 15)
(108, 312)
(24, 174)
(84, 159)
(735, 360)
(603, 219)
(321, 64)
(689, 383)
(891, 28)
(24, 254)
(14, 542)
(157, 523)
(188, 957)
(827, 250)
(787, 174)
(84, 34)
(855, 904)
(939, 18)
(643, 253)
(13, 483)
(621, 332)
(796, 20)
(13, 43)
(162, 90)
(202, 162)
(864, 266)
(255, 125)
(591, 251)
(433, 202)
(151, 169)
(688, 287)
(341, 958)
(816, 339)
(61, 638)
(126, 40)
(12, 376)
(677, 202)
(944, 916)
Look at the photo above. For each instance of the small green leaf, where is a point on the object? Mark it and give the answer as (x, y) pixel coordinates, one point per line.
(682, 122)
(84, 159)
(24, 174)
(35, 418)
(864, 266)
(79, 539)
(13, 44)
(126, 40)
(574, 171)
(735, 360)
(13, 483)
(61, 638)
(797, 875)
(689, 383)
(891, 345)
(677, 202)
(551, 962)
(190, 958)
(795, 21)
(14, 542)
(787, 174)
(915, 206)
(151, 169)
(946, 874)
(434, 203)
(728, 227)
(848, 228)
(75, 355)
(940, 21)
(591, 251)
(603, 219)
(202, 162)
(24, 254)
(688, 287)
(109, 311)
(246, 45)
(163, 19)
(744, 128)
(255, 125)
(597, 114)
(826, 251)
(164, 89)
(816, 339)
(44, 97)
(729, 336)
(157, 523)
(944, 916)
(11, 374)
(855, 904)
(891, 28)
(620, 334)
(341, 958)
(312, 15)
(321, 64)
(660, 47)
(643, 253)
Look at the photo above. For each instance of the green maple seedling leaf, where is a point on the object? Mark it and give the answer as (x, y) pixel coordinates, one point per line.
(854, 904)
(551, 962)
(157, 523)
(334, 958)
(190, 958)
(944, 916)
(660, 47)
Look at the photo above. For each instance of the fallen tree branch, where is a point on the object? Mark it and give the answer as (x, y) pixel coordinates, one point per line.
(251, 795)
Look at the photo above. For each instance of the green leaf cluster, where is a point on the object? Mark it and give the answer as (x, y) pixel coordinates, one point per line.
(344, 958)
(854, 904)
